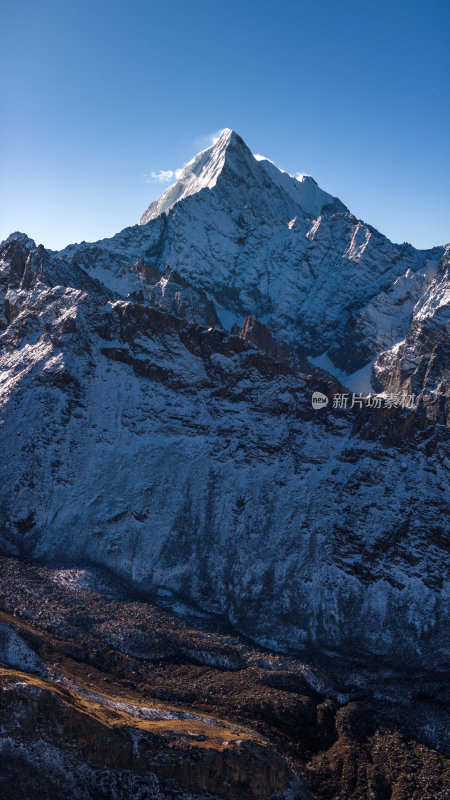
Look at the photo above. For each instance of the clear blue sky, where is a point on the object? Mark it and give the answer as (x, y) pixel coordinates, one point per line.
(97, 94)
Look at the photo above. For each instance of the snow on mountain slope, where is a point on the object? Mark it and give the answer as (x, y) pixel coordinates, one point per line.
(420, 362)
(188, 460)
(303, 189)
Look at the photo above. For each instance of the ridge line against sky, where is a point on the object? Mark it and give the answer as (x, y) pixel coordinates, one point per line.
(356, 95)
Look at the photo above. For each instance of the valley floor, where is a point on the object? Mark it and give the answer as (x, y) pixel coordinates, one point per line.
(105, 695)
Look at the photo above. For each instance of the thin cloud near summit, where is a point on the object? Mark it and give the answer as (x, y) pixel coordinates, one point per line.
(162, 176)
(169, 175)
(208, 139)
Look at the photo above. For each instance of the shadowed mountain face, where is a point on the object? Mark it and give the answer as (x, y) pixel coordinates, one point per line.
(156, 422)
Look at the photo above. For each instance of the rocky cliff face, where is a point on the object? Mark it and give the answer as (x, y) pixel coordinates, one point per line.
(157, 420)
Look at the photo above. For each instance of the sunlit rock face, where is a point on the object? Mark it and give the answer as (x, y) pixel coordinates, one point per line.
(157, 419)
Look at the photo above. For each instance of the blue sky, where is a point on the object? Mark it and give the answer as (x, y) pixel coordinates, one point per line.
(96, 95)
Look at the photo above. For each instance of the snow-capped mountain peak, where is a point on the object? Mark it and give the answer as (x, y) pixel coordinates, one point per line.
(242, 175)
(25, 240)
(201, 172)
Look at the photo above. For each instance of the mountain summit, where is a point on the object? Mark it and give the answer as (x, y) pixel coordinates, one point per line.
(229, 162)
